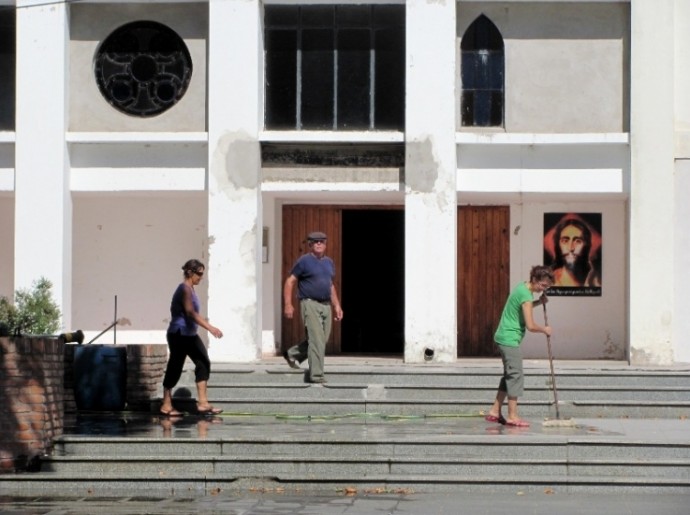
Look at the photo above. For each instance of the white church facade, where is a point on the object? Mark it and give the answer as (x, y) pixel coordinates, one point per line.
(442, 146)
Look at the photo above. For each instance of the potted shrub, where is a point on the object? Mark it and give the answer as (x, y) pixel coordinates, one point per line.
(33, 312)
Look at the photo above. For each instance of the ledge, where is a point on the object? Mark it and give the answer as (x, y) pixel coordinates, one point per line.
(332, 137)
(137, 137)
(502, 138)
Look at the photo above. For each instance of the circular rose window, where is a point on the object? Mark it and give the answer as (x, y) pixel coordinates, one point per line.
(143, 68)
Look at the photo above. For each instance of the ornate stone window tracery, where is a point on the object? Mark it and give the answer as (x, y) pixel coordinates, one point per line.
(143, 68)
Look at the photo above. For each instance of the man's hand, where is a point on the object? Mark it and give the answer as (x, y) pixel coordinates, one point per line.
(289, 311)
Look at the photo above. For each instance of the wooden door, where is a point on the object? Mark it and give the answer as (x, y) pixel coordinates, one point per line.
(298, 221)
(483, 276)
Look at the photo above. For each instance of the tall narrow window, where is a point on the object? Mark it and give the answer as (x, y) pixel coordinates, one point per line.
(482, 74)
(335, 67)
(7, 67)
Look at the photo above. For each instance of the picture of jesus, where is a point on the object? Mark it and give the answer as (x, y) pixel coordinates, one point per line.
(572, 247)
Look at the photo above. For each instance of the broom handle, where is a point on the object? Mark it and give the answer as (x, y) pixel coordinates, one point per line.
(553, 375)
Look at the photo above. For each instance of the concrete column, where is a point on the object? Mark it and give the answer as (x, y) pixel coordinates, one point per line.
(235, 81)
(43, 204)
(681, 272)
(652, 181)
(430, 189)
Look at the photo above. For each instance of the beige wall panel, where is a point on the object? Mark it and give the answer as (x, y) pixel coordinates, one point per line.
(134, 247)
(91, 24)
(566, 64)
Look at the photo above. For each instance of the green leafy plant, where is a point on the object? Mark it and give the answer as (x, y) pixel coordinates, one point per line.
(34, 311)
(8, 317)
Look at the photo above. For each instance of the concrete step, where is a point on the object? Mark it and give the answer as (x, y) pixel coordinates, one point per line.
(429, 466)
(145, 454)
(407, 390)
(456, 376)
(359, 443)
(384, 428)
(270, 391)
(42, 484)
(321, 402)
(287, 467)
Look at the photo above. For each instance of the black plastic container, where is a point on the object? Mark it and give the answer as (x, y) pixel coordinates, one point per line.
(100, 377)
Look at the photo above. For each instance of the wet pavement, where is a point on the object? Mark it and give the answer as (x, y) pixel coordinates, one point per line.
(367, 503)
(244, 425)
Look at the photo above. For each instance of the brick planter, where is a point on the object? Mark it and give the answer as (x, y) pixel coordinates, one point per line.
(31, 399)
(37, 389)
(145, 369)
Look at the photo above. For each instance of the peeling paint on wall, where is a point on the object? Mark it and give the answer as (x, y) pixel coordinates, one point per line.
(658, 357)
(236, 164)
(422, 167)
(248, 251)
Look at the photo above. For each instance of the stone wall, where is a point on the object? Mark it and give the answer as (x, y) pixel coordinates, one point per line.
(37, 389)
(31, 399)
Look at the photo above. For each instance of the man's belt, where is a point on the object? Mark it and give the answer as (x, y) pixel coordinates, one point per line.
(326, 301)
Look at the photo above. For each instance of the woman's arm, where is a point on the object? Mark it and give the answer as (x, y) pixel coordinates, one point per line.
(190, 312)
(532, 326)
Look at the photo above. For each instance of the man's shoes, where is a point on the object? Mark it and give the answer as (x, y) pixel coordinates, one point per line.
(291, 362)
(318, 380)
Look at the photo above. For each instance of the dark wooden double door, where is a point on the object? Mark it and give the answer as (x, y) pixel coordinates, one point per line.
(367, 245)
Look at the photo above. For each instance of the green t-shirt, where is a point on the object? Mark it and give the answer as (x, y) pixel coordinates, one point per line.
(511, 328)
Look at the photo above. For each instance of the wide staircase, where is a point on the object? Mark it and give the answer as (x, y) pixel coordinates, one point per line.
(380, 426)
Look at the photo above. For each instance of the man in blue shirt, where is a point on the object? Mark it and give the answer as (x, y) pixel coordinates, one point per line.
(313, 273)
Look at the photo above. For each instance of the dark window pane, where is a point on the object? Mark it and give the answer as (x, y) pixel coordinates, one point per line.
(496, 108)
(467, 108)
(352, 16)
(482, 108)
(301, 91)
(281, 15)
(482, 75)
(389, 77)
(317, 16)
(389, 16)
(496, 68)
(317, 79)
(482, 69)
(468, 69)
(7, 68)
(482, 34)
(353, 79)
(281, 79)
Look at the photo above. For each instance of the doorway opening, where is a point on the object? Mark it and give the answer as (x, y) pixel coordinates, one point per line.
(373, 281)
